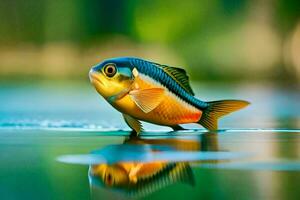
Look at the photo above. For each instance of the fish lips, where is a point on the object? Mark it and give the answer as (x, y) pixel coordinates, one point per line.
(94, 77)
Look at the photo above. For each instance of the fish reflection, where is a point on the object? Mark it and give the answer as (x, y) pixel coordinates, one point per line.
(140, 178)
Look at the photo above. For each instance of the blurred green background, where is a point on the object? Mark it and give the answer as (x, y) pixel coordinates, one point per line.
(255, 44)
(215, 40)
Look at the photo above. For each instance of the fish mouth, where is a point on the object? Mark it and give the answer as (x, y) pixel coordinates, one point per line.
(94, 77)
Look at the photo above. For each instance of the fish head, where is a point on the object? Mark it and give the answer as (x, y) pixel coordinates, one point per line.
(110, 175)
(112, 76)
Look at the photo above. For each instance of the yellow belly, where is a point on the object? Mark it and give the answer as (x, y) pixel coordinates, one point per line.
(171, 111)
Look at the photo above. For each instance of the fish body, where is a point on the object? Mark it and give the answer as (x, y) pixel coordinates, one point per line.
(155, 93)
(170, 111)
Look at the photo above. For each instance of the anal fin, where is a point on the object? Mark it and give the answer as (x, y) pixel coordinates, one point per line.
(177, 128)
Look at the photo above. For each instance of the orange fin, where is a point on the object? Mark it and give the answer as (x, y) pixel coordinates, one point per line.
(217, 109)
(133, 123)
(147, 99)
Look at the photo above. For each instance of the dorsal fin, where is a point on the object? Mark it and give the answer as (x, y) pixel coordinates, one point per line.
(180, 76)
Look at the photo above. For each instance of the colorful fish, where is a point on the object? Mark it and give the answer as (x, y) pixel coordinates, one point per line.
(146, 91)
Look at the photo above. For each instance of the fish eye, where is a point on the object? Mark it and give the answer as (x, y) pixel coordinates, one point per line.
(110, 70)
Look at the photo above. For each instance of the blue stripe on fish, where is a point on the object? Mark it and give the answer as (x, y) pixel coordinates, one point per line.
(150, 69)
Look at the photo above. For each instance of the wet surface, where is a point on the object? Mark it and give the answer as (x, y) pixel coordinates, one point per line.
(220, 165)
(66, 143)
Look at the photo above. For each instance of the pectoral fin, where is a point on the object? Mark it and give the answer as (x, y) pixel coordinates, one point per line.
(147, 99)
(133, 123)
(133, 177)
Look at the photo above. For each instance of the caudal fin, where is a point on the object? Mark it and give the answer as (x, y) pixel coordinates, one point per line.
(217, 109)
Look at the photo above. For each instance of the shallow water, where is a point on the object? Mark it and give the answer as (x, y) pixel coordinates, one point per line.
(63, 141)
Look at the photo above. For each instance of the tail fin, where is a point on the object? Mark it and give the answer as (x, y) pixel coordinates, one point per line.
(217, 109)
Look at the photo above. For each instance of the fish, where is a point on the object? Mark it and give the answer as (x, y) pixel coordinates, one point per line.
(160, 94)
